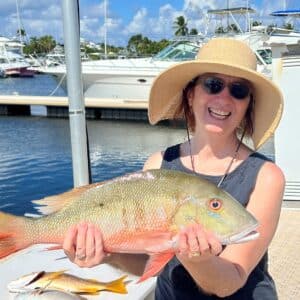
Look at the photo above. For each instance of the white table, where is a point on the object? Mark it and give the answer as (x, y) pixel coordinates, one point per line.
(34, 259)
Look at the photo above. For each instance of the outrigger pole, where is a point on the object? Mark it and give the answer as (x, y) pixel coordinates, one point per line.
(75, 93)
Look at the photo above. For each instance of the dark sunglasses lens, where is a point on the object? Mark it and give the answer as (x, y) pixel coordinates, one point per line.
(239, 90)
(213, 85)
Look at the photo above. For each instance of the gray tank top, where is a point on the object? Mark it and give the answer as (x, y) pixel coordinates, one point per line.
(175, 282)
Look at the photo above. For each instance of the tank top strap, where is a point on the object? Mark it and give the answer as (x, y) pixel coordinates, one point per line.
(172, 153)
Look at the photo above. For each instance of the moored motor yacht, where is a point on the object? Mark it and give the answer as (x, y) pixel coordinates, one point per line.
(130, 79)
(12, 62)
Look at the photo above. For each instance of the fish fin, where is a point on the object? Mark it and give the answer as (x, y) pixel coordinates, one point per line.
(54, 275)
(12, 234)
(155, 263)
(116, 286)
(52, 204)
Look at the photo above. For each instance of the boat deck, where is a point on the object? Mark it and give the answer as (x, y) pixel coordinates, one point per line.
(63, 101)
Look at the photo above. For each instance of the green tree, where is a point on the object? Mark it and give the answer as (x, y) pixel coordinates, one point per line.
(256, 23)
(288, 26)
(139, 45)
(180, 26)
(21, 32)
(134, 43)
(42, 45)
(47, 43)
(193, 31)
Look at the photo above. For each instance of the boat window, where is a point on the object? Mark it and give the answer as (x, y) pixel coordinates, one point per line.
(178, 51)
(266, 55)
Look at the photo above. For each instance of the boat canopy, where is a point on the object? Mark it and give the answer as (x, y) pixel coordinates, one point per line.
(286, 13)
(234, 10)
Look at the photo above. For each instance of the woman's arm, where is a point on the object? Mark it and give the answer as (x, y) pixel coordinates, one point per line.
(224, 274)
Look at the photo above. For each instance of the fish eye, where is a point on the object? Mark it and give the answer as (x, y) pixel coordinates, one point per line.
(215, 204)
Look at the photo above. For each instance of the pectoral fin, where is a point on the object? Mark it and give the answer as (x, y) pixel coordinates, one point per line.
(155, 263)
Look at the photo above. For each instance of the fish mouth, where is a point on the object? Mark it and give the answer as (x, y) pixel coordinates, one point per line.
(20, 285)
(249, 234)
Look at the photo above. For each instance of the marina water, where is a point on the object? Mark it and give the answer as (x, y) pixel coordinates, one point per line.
(35, 152)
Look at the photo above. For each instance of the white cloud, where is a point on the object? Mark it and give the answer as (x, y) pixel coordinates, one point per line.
(36, 17)
(45, 17)
(162, 26)
(138, 23)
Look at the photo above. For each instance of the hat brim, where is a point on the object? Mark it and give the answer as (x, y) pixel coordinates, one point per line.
(166, 91)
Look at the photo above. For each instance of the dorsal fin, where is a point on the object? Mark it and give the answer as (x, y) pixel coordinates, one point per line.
(54, 203)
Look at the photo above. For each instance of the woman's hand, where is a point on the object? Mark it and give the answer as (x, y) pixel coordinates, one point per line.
(195, 243)
(83, 244)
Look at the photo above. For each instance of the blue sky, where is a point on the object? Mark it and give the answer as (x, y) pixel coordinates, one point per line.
(152, 18)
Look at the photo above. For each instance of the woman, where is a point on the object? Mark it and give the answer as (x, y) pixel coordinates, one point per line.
(225, 103)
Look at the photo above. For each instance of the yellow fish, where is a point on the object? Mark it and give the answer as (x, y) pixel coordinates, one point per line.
(65, 282)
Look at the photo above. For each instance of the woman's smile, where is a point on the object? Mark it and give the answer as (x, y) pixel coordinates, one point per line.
(218, 114)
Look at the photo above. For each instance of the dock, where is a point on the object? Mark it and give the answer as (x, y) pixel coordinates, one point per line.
(284, 264)
(95, 108)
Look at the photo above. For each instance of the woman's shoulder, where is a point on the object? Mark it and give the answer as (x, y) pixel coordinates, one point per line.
(155, 160)
(271, 173)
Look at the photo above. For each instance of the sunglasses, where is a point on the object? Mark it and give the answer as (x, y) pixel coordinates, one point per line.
(214, 85)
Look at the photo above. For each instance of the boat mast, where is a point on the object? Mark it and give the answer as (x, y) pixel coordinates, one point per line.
(248, 21)
(105, 29)
(227, 14)
(19, 27)
(75, 93)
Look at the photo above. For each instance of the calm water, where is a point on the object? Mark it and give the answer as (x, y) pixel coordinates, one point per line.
(35, 152)
(35, 155)
(39, 85)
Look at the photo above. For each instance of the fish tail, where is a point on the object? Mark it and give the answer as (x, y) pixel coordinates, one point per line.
(117, 286)
(12, 234)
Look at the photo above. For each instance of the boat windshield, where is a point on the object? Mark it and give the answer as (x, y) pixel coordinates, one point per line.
(178, 51)
(266, 55)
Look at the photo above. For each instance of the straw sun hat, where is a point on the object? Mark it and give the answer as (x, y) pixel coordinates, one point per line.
(226, 56)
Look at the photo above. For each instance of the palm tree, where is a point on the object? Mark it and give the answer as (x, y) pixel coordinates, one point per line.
(180, 25)
(21, 32)
(193, 31)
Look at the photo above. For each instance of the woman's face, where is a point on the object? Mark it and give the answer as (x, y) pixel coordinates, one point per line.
(215, 109)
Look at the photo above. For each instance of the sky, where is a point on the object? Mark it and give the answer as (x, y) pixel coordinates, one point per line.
(125, 18)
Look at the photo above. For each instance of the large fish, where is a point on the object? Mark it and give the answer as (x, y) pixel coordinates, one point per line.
(140, 212)
(66, 282)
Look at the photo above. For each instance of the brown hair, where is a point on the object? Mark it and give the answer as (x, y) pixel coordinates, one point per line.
(184, 109)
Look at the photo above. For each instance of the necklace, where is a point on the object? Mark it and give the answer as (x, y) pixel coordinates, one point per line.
(229, 165)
